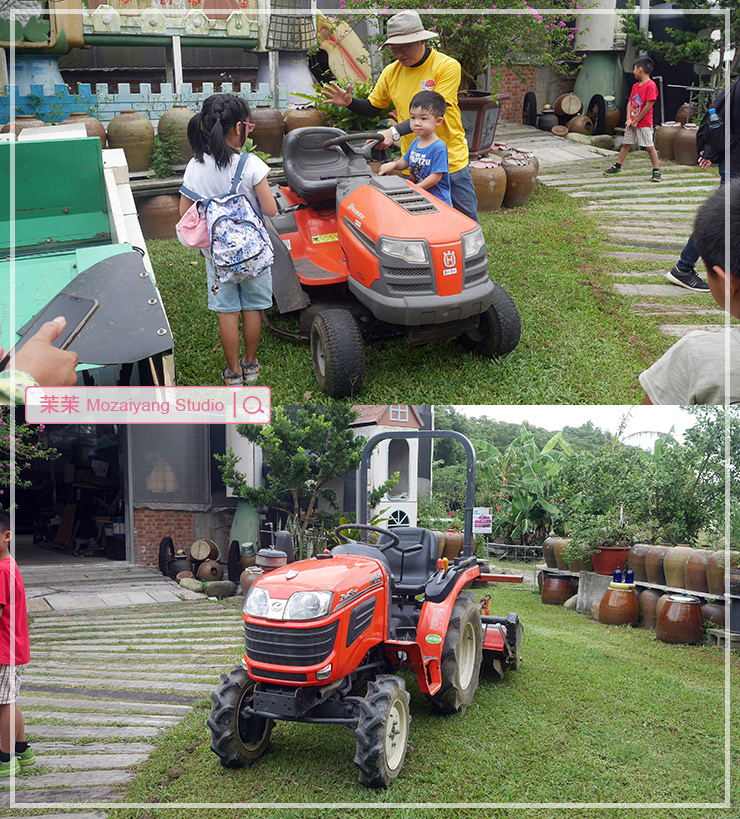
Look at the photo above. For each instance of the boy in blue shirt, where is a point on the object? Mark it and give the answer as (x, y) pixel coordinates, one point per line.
(426, 159)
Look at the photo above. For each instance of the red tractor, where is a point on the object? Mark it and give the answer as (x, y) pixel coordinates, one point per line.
(325, 638)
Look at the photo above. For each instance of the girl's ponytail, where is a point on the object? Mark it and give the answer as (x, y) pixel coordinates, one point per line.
(198, 137)
(207, 130)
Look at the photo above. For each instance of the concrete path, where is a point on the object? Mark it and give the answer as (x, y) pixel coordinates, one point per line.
(105, 681)
(647, 223)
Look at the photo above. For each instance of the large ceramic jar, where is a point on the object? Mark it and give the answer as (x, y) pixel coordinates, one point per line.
(735, 573)
(548, 552)
(93, 127)
(489, 180)
(174, 125)
(713, 612)
(612, 118)
(521, 175)
(581, 125)
(547, 120)
(619, 606)
(580, 565)
(679, 620)
(556, 590)
(269, 127)
(696, 570)
(520, 153)
(21, 122)
(674, 566)
(648, 607)
(302, 116)
(686, 113)
(654, 565)
(684, 145)
(158, 216)
(454, 542)
(559, 548)
(716, 573)
(134, 133)
(664, 136)
(636, 561)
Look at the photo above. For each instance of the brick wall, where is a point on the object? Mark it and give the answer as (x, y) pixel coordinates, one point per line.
(151, 525)
(516, 87)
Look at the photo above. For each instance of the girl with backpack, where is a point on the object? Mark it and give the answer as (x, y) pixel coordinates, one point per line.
(216, 136)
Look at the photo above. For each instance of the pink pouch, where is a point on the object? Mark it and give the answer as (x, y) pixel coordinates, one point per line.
(192, 230)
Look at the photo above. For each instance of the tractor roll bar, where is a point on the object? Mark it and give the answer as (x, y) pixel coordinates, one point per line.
(364, 506)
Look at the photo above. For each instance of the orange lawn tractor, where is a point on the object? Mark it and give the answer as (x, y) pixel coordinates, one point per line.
(362, 258)
(325, 638)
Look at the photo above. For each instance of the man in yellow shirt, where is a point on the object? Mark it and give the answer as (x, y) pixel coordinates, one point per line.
(417, 68)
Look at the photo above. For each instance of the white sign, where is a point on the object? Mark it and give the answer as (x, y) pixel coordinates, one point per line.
(482, 520)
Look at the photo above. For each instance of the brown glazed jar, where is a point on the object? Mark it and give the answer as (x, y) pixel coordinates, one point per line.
(664, 136)
(581, 125)
(686, 113)
(302, 116)
(648, 607)
(158, 216)
(269, 127)
(548, 552)
(636, 561)
(619, 606)
(716, 573)
(93, 127)
(556, 590)
(714, 612)
(684, 145)
(21, 122)
(489, 181)
(559, 547)
(679, 620)
(134, 133)
(696, 570)
(654, 565)
(174, 125)
(612, 118)
(674, 566)
(521, 175)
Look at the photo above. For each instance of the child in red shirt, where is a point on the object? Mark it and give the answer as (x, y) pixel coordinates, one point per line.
(639, 122)
(12, 593)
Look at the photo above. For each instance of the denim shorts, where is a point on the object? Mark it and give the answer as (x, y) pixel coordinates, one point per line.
(249, 294)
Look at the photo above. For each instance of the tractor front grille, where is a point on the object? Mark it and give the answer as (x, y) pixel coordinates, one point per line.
(285, 676)
(475, 270)
(474, 278)
(411, 201)
(408, 279)
(281, 645)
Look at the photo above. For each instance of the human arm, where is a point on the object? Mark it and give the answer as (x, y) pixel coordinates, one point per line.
(265, 197)
(185, 204)
(397, 165)
(429, 181)
(643, 113)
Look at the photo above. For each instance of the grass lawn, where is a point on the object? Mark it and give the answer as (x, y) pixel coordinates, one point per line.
(595, 714)
(580, 342)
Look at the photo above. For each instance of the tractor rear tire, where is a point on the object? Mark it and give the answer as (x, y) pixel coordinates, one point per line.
(597, 112)
(238, 740)
(337, 352)
(382, 731)
(499, 330)
(166, 555)
(234, 562)
(462, 655)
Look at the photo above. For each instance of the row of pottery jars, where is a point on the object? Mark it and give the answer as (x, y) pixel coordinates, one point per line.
(652, 601)
(489, 181)
(664, 136)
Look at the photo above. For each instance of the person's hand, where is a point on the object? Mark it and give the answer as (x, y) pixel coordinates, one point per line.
(47, 365)
(337, 95)
(386, 167)
(628, 122)
(704, 164)
(386, 143)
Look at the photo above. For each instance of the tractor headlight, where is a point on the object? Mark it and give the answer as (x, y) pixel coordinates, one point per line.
(308, 605)
(257, 602)
(472, 243)
(409, 250)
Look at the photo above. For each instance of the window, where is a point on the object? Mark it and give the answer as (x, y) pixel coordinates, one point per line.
(398, 461)
(399, 414)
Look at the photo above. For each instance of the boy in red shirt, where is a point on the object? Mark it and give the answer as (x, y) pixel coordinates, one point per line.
(18, 750)
(639, 122)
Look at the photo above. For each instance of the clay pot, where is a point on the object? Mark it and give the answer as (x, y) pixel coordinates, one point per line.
(302, 116)
(648, 602)
(269, 127)
(489, 180)
(662, 600)
(521, 176)
(547, 121)
(713, 612)
(734, 574)
(560, 130)
(134, 133)
(684, 145)
(248, 576)
(612, 118)
(559, 548)
(696, 570)
(180, 565)
(654, 565)
(556, 590)
(440, 541)
(679, 620)
(619, 606)
(210, 570)
(686, 113)
(174, 125)
(568, 105)
(454, 542)
(548, 552)
(204, 549)
(158, 216)
(664, 136)
(581, 125)
(580, 565)
(182, 575)
(520, 153)
(607, 561)
(636, 561)
(715, 573)
(674, 566)
(500, 149)
(21, 122)
(269, 559)
(93, 127)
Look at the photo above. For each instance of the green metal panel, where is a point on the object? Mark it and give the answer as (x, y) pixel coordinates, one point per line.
(59, 194)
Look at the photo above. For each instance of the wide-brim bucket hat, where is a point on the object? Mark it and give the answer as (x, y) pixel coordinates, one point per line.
(406, 27)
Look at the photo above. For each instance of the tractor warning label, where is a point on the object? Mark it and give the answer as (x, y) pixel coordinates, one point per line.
(434, 639)
(325, 237)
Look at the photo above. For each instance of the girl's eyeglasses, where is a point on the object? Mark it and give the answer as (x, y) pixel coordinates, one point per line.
(249, 125)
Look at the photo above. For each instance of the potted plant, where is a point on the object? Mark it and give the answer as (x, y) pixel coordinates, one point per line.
(605, 539)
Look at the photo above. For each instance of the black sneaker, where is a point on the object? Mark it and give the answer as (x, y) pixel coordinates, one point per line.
(655, 176)
(689, 280)
(615, 168)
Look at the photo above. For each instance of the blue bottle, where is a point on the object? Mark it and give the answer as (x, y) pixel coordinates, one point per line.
(714, 119)
(617, 577)
(629, 576)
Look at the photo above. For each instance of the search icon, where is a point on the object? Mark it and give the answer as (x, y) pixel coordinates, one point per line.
(252, 405)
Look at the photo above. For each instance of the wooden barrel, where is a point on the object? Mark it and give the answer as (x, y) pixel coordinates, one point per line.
(204, 550)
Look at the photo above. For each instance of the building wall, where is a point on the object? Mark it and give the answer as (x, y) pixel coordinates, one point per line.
(546, 84)
(151, 525)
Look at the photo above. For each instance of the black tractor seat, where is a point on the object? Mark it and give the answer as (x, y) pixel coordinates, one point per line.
(311, 170)
(413, 561)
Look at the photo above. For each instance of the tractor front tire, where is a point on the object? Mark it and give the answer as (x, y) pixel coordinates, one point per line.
(337, 352)
(238, 740)
(382, 731)
(499, 329)
(462, 655)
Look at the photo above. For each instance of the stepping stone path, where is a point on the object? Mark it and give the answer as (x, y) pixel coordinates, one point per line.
(106, 680)
(665, 212)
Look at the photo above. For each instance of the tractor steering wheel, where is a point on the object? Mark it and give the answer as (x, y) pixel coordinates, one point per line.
(344, 140)
(364, 527)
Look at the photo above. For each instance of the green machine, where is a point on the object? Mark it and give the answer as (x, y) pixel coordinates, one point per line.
(60, 228)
